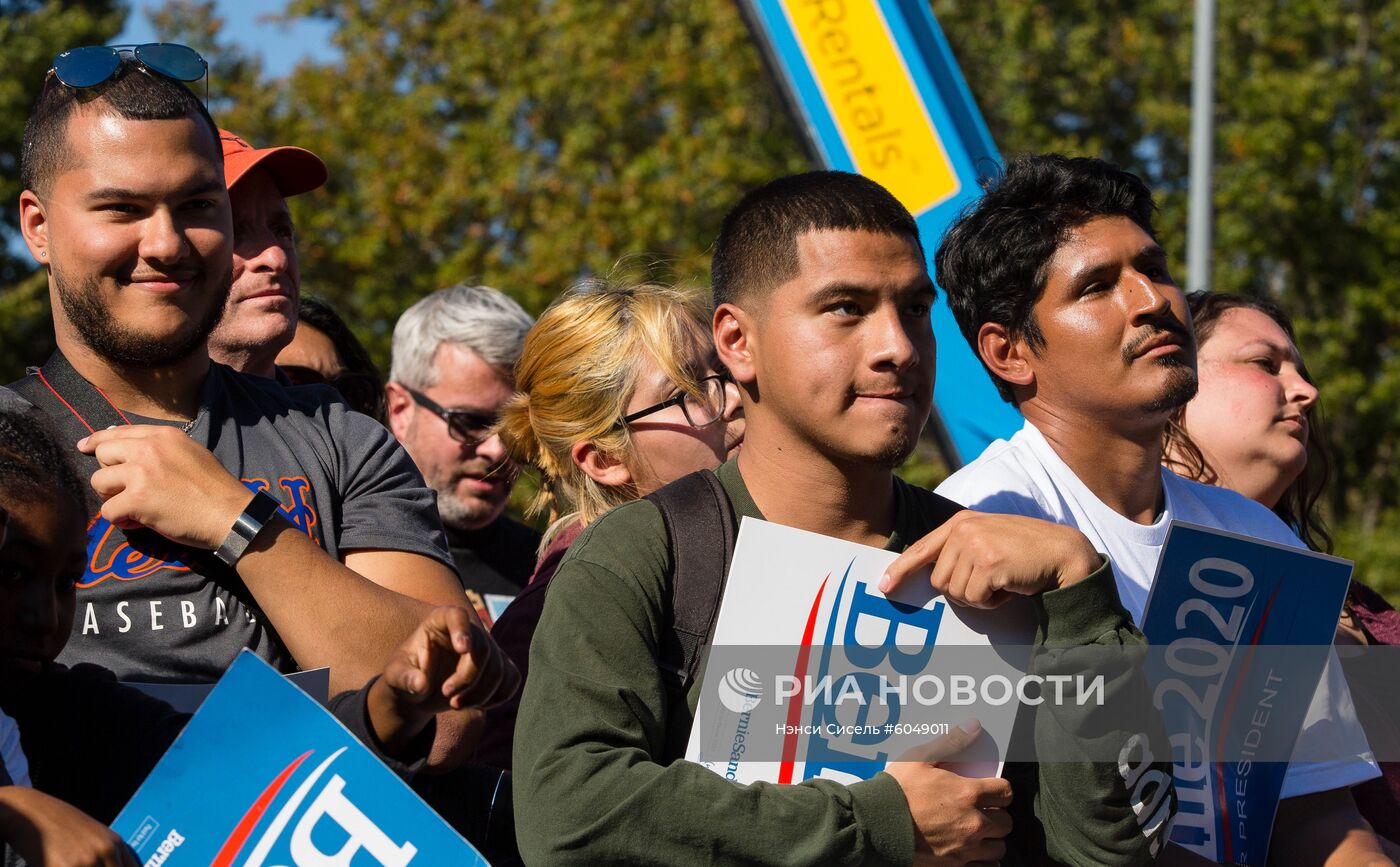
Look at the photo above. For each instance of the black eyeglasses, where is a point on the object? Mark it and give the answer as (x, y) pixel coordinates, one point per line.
(464, 425)
(360, 390)
(700, 410)
(90, 65)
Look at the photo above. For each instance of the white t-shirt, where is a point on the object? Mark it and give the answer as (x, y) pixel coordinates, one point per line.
(1025, 476)
(11, 754)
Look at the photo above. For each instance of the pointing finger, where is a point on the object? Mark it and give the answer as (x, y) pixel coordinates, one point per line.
(915, 558)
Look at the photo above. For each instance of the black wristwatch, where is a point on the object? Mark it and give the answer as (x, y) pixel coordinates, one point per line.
(255, 516)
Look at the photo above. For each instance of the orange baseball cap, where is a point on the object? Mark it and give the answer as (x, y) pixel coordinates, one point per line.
(294, 170)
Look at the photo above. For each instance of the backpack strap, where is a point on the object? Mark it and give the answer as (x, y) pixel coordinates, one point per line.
(700, 529)
(60, 390)
(70, 402)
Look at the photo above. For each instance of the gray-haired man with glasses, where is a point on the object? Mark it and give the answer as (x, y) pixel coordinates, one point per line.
(451, 372)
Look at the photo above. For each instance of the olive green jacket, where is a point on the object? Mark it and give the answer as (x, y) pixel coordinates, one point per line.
(599, 774)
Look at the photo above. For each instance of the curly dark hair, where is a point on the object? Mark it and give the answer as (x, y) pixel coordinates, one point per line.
(1298, 507)
(33, 462)
(320, 315)
(995, 259)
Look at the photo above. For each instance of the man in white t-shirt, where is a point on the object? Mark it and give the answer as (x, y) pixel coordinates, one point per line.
(1059, 285)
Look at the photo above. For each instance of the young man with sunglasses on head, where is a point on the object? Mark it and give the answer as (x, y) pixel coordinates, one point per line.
(225, 511)
(451, 372)
(260, 318)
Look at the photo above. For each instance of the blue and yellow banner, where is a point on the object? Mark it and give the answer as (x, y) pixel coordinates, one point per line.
(878, 92)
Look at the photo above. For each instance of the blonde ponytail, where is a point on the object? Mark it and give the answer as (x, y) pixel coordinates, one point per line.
(577, 374)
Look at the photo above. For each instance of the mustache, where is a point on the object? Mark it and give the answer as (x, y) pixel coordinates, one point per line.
(1154, 329)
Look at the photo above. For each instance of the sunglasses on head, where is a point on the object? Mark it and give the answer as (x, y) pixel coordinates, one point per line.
(90, 65)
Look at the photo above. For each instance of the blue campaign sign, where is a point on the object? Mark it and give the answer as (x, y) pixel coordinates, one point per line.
(1217, 598)
(264, 775)
(878, 92)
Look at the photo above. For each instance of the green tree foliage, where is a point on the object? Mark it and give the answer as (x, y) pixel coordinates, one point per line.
(31, 33)
(525, 144)
(519, 144)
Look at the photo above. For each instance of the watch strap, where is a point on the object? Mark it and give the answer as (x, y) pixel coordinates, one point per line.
(260, 509)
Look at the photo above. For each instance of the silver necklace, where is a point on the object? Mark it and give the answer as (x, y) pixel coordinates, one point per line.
(189, 425)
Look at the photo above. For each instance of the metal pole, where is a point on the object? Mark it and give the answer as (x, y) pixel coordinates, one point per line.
(1200, 216)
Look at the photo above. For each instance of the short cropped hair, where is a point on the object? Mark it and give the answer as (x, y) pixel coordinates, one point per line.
(757, 245)
(995, 259)
(133, 92)
(479, 318)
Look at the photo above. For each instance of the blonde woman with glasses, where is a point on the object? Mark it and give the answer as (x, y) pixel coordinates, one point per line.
(619, 393)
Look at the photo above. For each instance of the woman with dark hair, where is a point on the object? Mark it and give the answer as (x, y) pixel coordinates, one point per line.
(1253, 427)
(326, 352)
(41, 558)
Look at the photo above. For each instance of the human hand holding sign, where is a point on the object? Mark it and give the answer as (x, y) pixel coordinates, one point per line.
(983, 560)
(957, 820)
(46, 831)
(156, 477)
(450, 662)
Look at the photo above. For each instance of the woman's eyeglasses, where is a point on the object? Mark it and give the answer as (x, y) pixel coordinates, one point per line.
(700, 410)
(463, 425)
(90, 65)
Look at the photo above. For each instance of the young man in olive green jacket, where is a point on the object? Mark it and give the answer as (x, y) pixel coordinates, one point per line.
(822, 317)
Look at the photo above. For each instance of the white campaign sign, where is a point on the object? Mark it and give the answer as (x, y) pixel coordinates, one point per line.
(814, 598)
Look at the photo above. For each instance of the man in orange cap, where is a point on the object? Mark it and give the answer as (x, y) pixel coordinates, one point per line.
(260, 317)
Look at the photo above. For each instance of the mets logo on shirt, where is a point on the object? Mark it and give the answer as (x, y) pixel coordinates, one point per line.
(109, 555)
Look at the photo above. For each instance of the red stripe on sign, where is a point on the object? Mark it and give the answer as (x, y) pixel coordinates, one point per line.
(800, 671)
(1227, 843)
(245, 826)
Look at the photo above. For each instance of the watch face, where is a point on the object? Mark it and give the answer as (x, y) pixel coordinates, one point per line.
(263, 507)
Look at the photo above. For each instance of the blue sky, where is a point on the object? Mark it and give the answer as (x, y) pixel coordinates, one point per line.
(281, 47)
